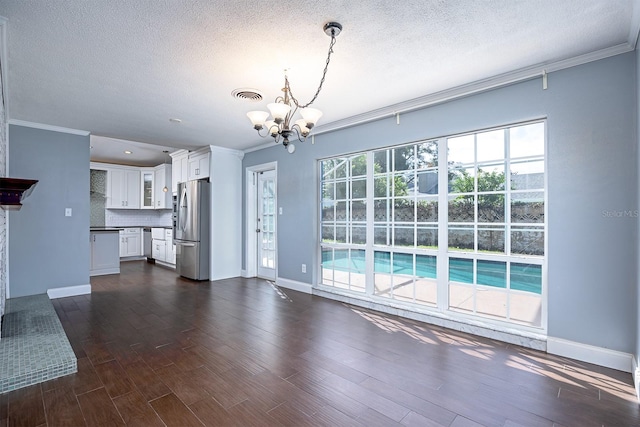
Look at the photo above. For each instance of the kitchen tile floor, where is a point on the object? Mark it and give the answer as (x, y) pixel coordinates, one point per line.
(155, 349)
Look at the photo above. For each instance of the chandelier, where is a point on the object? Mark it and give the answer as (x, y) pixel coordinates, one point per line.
(285, 107)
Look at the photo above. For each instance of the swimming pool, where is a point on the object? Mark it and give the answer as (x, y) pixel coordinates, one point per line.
(523, 277)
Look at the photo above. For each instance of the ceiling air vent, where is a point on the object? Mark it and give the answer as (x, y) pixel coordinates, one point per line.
(249, 95)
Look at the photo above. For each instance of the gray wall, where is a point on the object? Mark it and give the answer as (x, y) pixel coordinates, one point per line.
(592, 165)
(637, 237)
(46, 249)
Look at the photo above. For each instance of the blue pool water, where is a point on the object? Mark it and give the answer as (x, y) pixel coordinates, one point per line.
(524, 277)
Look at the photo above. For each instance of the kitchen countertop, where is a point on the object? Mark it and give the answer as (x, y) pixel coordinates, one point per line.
(122, 227)
(105, 229)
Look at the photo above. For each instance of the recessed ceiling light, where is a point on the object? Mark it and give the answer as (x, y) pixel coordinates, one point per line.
(128, 152)
(174, 120)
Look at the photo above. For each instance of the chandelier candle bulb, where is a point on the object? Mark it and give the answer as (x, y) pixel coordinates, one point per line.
(304, 130)
(272, 127)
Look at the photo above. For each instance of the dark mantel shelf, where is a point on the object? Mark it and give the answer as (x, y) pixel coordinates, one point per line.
(14, 190)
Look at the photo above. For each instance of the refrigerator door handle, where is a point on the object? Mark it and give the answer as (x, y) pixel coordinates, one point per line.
(189, 245)
(184, 210)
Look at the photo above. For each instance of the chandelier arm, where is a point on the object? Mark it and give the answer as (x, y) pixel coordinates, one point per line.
(324, 74)
(299, 134)
(265, 134)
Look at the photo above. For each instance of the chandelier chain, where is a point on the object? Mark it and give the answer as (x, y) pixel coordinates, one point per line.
(324, 74)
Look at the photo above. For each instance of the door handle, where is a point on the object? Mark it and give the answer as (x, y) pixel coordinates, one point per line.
(258, 230)
(189, 245)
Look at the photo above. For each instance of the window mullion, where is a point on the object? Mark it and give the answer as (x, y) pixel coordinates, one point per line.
(369, 255)
(442, 266)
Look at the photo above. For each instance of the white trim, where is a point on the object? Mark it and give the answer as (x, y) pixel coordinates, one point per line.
(243, 273)
(260, 147)
(635, 371)
(105, 271)
(517, 76)
(501, 80)
(251, 255)
(69, 291)
(224, 150)
(49, 127)
(591, 354)
(294, 285)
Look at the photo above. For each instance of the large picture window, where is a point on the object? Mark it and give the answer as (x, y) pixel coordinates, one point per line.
(455, 224)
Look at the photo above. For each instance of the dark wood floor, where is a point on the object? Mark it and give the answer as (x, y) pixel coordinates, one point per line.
(154, 349)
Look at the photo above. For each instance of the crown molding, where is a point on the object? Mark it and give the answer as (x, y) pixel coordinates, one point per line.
(49, 127)
(224, 150)
(479, 86)
(259, 147)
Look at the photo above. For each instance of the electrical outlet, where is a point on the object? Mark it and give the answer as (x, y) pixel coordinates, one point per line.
(280, 211)
(304, 268)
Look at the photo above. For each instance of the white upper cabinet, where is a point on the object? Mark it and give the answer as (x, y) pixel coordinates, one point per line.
(180, 169)
(147, 188)
(123, 188)
(162, 179)
(199, 164)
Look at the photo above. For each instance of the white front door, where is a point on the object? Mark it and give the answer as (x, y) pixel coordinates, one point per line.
(266, 224)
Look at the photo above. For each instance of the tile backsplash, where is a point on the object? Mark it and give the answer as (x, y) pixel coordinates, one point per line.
(101, 217)
(138, 217)
(98, 187)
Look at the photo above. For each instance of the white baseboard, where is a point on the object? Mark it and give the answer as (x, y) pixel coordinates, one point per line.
(294, 285)
(243, 273)
(69, 291)
(591, 354)
(636, 375)
(105, 271)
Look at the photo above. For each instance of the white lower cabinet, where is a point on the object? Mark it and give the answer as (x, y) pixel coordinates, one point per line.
(130, 242)
(104, 253)
(162, 247)
(159, 250)
(171, 248)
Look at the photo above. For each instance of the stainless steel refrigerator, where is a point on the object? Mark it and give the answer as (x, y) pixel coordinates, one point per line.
(191, 232)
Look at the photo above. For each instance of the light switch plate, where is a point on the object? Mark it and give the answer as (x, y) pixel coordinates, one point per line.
(67, 212)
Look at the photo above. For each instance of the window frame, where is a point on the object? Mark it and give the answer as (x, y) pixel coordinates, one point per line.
(441, 251)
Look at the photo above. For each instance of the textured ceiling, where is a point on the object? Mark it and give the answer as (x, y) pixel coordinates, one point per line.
(122, 68)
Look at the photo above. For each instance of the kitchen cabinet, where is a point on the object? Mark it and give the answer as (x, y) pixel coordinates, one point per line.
(123, 188)
(162, 247)
(170, 247)
(130, 242)
(147, 188)
(104, 257)
(161, 178)
(199, 164)
(159, 250)
(179, 168)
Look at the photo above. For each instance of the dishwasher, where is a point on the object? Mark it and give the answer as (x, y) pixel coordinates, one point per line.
(146, 241)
